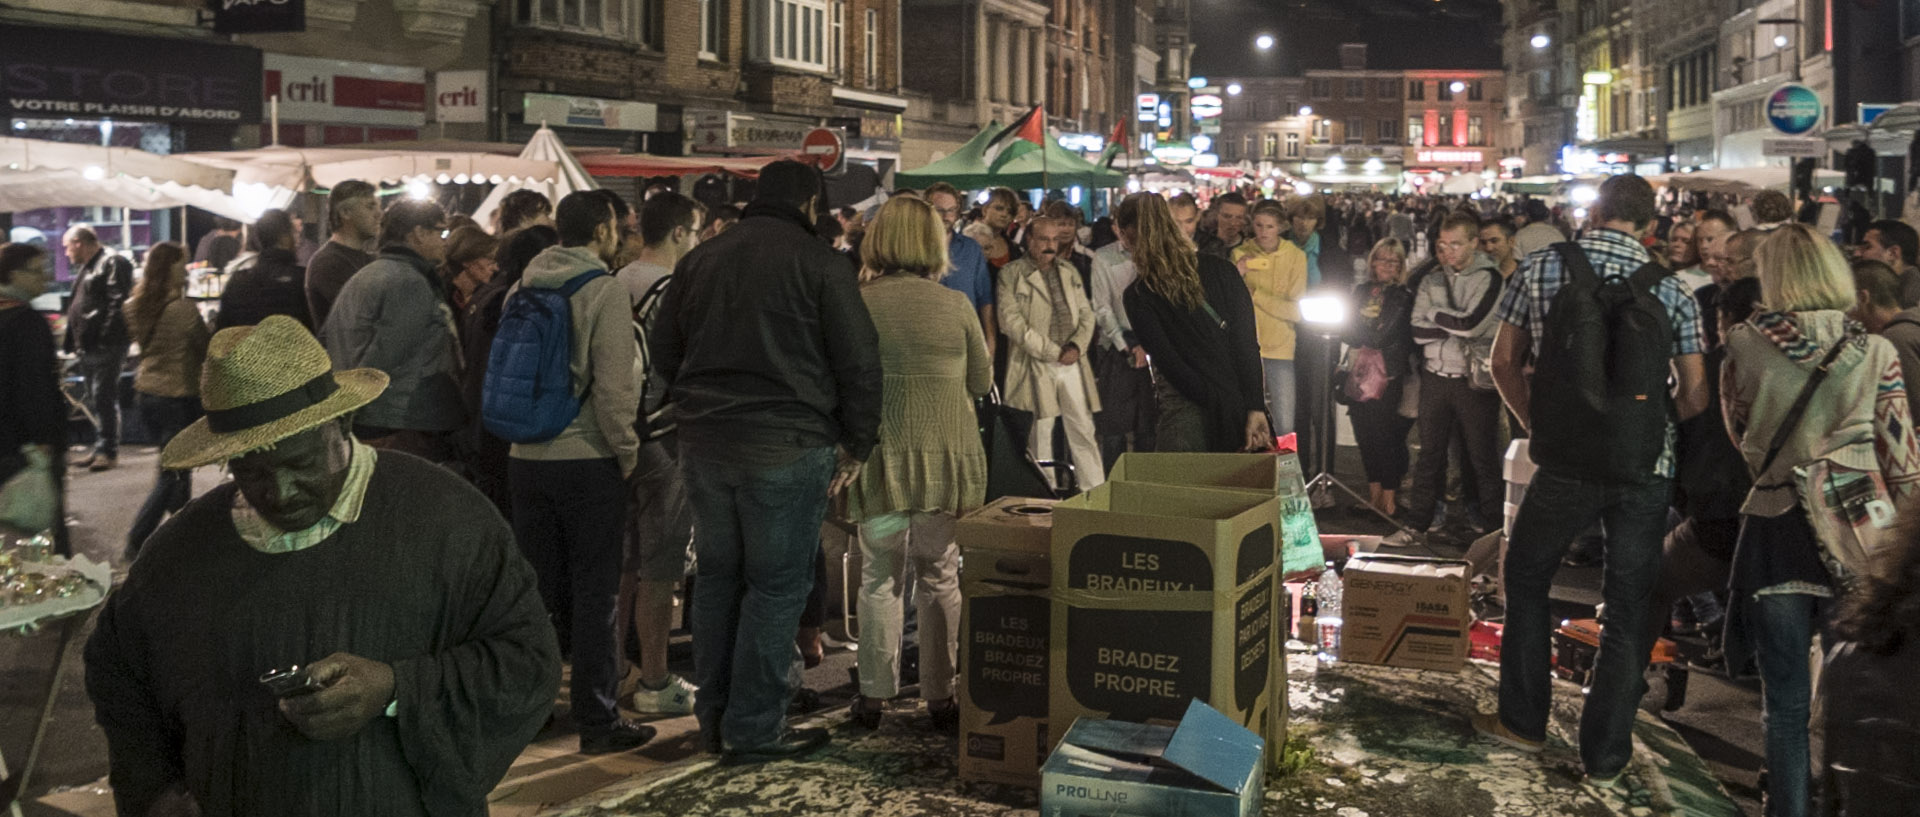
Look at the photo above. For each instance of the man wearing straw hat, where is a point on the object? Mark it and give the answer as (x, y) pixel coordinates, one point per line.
(335, 631)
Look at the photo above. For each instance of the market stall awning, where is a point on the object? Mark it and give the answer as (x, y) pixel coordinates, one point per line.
(1746, 180)
(97, 162)
(301, 169)
(628, 165)
(35, 174)
(544, 147)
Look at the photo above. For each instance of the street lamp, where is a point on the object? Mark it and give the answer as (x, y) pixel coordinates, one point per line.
(1540, 41)
(1263, 42)
(1306, 110)
(1779, 41)
(1457, 87)
(1234, 89)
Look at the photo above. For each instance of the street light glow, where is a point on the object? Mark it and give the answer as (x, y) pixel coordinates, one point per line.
(1263, 42)
(1306, 110)
(1540, 41)
(1234, 89)
(1457, 86)
(1779, 41)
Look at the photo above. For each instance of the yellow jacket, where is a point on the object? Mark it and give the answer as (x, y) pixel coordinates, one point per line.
(1276, 280)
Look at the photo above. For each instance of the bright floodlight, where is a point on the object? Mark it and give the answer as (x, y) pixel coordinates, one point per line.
(1457, 86)
(1306, 110)
(1263, 42)
(94, 173)
(1583, 195)
(1541, 41)
(1325, 310)
(1234, 89)
(1302, 189)
(419, 189)
(1779, 41)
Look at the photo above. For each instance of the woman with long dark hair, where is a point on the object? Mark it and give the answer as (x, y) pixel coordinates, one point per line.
(1194, 317)
(173, 344)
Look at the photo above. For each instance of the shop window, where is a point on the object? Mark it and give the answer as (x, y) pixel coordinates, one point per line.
(1416, 131)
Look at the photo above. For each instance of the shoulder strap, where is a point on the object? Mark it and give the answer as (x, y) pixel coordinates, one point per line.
(1575, 260)
(1648, 275)
(576, 282)
(652, 295)
(1792, 421)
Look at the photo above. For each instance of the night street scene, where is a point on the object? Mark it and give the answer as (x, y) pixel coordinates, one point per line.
(959, 408)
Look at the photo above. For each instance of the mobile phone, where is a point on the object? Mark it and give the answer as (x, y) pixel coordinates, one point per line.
(291, 682)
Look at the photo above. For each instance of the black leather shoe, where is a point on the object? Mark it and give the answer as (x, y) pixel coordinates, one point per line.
(945, 715)
(795, 743)
(620, 737)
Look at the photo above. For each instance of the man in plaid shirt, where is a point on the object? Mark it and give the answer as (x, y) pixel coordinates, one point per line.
(1559, 506)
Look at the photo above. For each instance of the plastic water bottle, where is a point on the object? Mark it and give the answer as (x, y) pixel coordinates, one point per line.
(1328, 622)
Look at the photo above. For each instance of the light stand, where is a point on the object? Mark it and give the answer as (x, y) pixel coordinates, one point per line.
(1324, 316)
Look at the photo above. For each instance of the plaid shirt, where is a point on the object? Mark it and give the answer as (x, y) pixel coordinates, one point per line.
(1612, 253)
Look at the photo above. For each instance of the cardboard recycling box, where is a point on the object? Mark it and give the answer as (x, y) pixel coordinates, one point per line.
(1268, 474)
(1404, 611)
(1208, 766)
(1162, 595)
(1005, 615)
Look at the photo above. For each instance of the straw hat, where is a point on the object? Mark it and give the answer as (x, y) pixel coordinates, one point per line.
(262, 384)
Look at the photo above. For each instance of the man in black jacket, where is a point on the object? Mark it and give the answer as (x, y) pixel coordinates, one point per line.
(772, 365)
(97, 332)
(270, 282)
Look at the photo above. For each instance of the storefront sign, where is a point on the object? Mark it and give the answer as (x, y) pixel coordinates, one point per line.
(460, 96)
(725, 131)
(257, 16)
(1206, 106)
(49, 72)
(342, 92)
(1473, 157)
(1796, 148)
(1794, 109)
(588, 112)
(1869, 111)
(1147, 107)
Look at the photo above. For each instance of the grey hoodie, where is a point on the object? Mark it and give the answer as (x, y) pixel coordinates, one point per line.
(1453, 315)
(606, 362)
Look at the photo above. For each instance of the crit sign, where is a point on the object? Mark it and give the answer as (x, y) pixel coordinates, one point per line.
(824, 148)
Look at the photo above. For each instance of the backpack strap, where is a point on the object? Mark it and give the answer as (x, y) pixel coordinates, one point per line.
(1648, 276)
(576, 282)
(1574, 260)
(1792, 421)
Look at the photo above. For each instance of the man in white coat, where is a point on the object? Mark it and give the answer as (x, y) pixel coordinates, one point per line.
(1044, 312)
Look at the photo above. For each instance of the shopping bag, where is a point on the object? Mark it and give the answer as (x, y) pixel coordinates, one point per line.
(29, 498)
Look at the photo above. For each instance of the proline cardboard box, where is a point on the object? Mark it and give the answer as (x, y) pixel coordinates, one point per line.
(1208, 766)
(1006, 614)
(1404, 611)
(1162, 595)
(1268, 474)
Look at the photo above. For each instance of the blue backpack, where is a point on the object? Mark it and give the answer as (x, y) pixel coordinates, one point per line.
(527, 396)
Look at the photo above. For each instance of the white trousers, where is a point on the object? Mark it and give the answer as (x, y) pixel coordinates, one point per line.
(1082, 444)
(886, 543)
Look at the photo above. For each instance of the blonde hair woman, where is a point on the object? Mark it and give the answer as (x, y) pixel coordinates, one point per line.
(929, 467)
(1857, 418)
(173, 344)
(1194, 317)
(1383, 328)
(1275, 271)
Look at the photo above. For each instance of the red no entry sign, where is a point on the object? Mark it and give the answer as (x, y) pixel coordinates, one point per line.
(824, 147)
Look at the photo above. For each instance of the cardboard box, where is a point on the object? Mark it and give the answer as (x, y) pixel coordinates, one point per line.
(1163, 595)
(1402, 611)
(1208, 766)
(1266, 474)
(1006, 614)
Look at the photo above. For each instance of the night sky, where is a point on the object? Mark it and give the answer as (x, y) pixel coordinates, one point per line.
(1398, 34)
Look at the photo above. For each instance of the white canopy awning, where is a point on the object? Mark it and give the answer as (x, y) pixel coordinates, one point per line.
(545, 146)
(35, 173)
(303, 169)
(1745, 180)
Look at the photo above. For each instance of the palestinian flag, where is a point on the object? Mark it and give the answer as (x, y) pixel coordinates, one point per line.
(1024, 136)
(1116, 142)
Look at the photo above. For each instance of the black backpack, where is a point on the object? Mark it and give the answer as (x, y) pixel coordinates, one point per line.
(650, 422)
(1599, 390)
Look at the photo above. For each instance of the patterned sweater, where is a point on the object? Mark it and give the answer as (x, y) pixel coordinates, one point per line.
(1858, 418)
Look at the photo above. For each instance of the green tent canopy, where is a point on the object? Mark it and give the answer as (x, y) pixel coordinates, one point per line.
(1053, 166)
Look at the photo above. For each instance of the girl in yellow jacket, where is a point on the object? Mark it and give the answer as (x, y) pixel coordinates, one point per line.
(1276, 274)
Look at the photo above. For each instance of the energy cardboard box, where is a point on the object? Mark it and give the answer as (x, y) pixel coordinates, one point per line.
(1163, 595)
(1268, 474)
(1005, 615)
(1208, 766)
(1403, 611)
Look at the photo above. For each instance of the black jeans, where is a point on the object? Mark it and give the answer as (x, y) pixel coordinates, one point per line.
(164, 417)
(1450, 408)
(101, 370)
(569, 518)
(1381, 434)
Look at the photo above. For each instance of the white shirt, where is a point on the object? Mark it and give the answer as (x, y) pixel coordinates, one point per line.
(1112, 273)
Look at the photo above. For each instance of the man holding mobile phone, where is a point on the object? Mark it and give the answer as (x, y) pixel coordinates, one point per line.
(407, 657)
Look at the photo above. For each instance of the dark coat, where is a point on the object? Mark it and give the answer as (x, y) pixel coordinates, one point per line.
(100, 288)
(270, 283)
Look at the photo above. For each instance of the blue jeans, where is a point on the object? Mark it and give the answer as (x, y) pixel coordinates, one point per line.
(1280, 404)
(164, 417)
(101, 370)
(756, 532)
(1556, 509)
(1781, 626)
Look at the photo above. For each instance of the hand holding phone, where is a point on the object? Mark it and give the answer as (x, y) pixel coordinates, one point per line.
(291, 682)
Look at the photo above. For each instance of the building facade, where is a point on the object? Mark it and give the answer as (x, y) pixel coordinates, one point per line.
(1356, 122)
(1680, 42)
(1453, 125)
(974, 62)
(1542, 84)
(1261, 128)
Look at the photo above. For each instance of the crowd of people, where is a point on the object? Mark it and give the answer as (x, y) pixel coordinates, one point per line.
(728, 378)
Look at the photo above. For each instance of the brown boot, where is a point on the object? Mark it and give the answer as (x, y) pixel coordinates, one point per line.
(810, 651)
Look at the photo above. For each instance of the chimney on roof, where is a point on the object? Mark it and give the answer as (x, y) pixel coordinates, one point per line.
(1353, 56)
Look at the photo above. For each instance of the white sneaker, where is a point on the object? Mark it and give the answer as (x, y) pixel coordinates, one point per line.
(674, 699)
